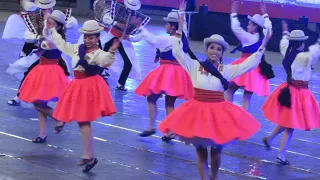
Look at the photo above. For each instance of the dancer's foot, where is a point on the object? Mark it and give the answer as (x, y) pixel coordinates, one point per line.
(14, 102)
(283, 161)
(121, 87)
(90, 165)
(147, 133)
(39, 140)
(59, 127)
(266, 143)
(168, 137)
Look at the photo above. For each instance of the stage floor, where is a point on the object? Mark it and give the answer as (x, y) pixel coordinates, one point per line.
(122, 153)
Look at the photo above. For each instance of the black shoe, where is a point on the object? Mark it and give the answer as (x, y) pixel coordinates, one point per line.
(121, 88)
(147, 133)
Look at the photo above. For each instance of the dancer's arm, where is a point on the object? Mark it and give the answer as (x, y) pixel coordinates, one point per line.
(306, 59)
(106, 59)
(250, 63)
(65, 47)
(243, 36)
(284, 43)
(267, 22)
(28, 5)
(156, 41)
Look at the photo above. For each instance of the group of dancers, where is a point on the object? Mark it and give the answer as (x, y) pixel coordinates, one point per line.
(207, 119)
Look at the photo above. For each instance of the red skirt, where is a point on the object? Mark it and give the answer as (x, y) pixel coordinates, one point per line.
(303, 114)
(86, 99)
(45, 82)
(169, 78)
(253, 80)
(204, 123)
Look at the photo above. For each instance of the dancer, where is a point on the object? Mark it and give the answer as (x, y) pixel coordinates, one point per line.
(169, 78)
(292, 105)
(117, 19)
(15, 26)
(46, 81)
(87, 97)
(208, 120)
(255, 81)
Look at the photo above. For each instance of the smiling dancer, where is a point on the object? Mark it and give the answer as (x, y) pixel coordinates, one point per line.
(208, 120)
(255, 81)
(292, 105)
(88, 97)
(169, 78)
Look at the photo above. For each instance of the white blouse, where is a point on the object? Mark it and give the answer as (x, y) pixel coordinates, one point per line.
(301, 66)
(208, 81)
(245, 37)
(97, 57)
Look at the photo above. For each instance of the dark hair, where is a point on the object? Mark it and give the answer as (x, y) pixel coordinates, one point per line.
(62, 30)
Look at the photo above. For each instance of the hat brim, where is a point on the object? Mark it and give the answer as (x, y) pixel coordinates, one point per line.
(58, 20)
(258, 23)
(46, 6)
(135, 8)
(170, 20)
(82, 31)
(224, 44)
(298, 38)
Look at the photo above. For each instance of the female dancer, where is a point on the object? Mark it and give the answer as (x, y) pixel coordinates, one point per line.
(169, 78)
(47, 81)
(256, 80)
(87, 97)
(208, 120)
(292, 105)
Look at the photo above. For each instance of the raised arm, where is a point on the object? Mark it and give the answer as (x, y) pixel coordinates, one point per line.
(267, 22)
(184, 60)
(156, 41)
(284, 43)
(250, 63)
(65, 47)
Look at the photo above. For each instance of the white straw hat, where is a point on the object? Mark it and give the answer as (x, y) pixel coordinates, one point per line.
(297, 35)
(172, 17)
(58, 16)
(91, 27)
(45, 4)
(257, 19)
(216, 38)
(133, 4)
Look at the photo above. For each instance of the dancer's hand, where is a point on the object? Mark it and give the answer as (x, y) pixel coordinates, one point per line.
(285, 26)
(235, 6)
(263, 8)
(183, 5)
(115, 44)
(266, 38)
(181, 22)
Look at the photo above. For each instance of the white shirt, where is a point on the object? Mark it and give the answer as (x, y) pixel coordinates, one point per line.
(209, 82)
(97, 57)
(245, 37)
(301, 66)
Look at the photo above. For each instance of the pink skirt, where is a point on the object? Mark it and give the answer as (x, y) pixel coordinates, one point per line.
(45, 82)
(86, 99)
(253, 80)
(209, 123)
(170, 79)
(303, 114)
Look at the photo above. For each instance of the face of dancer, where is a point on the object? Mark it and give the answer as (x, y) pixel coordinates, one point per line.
(169, 28)
(214, 52)
(91, 41)
(51, 23)
(252, 27)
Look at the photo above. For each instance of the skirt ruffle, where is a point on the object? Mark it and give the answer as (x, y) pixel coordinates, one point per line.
(209, 124)
(253, 80)
(85, 100)
(167, 79)
(45, 83)
(304, 112)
